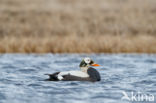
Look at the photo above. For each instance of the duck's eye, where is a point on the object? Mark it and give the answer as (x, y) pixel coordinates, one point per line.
(87, 60)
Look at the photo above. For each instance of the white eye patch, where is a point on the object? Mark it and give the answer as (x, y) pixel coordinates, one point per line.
(87, 60)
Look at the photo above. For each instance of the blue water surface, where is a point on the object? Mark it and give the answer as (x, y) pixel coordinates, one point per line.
(22, 78)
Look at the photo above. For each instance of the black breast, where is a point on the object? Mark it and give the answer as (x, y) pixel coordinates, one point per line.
(94, 74)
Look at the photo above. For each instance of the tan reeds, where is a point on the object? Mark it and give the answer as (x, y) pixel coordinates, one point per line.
(73, 44)
(77, 26)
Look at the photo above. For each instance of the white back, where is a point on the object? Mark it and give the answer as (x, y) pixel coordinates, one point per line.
(73, 73)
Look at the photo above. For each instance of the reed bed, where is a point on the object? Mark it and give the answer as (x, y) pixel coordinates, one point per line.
(73, 44)
(77, 26)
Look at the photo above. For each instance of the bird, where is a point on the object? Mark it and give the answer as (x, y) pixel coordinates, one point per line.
(86, 73)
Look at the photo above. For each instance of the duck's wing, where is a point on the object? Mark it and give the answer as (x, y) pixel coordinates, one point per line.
(69, 76)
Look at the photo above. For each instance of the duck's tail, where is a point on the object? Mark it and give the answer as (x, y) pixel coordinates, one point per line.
(52, 77)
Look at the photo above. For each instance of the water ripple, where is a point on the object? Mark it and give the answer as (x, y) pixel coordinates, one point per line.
(22, 78)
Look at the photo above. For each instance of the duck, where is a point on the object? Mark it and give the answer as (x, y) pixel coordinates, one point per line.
(86, 73)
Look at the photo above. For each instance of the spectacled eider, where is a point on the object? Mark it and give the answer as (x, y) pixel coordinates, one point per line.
(87, 73)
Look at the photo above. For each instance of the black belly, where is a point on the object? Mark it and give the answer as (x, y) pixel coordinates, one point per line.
(75, 78)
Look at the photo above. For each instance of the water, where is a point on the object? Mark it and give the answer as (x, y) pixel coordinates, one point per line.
(22, 78)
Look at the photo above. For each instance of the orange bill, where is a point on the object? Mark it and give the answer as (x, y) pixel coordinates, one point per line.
(95, 65)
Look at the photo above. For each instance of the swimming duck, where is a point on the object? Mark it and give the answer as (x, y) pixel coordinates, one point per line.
(86, 73)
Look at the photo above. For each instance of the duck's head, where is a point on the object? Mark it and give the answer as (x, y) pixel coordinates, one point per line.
(86, 62)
